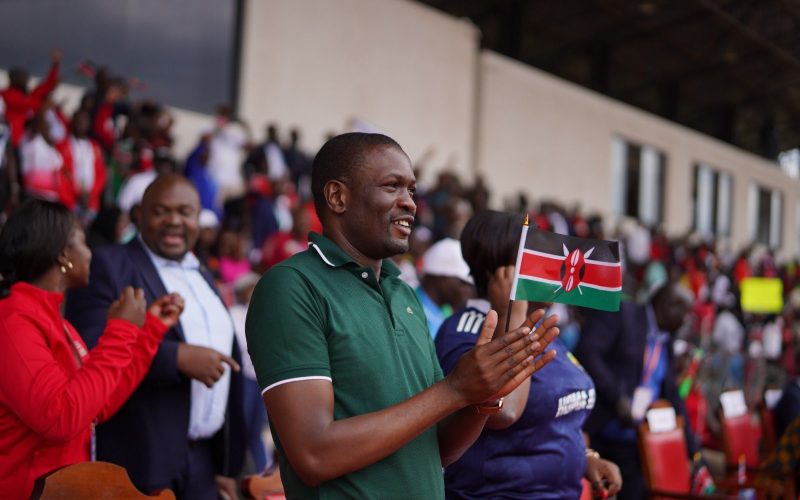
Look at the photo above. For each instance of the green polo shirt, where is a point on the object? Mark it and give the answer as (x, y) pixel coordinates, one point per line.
(320, 315)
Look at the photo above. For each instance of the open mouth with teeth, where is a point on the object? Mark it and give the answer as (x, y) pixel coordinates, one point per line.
(403, 226)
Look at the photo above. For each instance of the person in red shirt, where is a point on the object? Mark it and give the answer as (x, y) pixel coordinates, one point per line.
(21, 104)
(741, 269)
(52, 390)
(84, 167)
(103, 128)
(283, 244)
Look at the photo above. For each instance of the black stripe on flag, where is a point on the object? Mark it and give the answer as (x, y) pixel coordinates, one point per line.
(552, 243)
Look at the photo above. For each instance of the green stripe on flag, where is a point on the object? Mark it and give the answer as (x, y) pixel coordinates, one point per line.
(540, 291)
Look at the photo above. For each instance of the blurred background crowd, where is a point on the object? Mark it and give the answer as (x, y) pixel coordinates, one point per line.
(257, 211)
(99, 153)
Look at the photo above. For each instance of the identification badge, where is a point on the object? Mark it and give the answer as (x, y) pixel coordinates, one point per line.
(642, 397)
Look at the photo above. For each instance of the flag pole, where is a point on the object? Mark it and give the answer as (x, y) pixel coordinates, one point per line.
(522, 237)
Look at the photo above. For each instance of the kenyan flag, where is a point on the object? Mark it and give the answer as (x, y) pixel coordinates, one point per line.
(556, 268)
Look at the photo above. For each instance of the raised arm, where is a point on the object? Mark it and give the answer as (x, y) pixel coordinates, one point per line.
(47, 85)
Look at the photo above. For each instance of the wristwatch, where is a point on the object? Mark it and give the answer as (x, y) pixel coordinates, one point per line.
(490, 408)
(592, 453)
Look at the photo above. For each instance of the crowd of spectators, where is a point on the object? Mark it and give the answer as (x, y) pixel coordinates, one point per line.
(257, 211)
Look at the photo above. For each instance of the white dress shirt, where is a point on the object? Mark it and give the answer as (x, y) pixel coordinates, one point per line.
(205, 322)
(83, 162)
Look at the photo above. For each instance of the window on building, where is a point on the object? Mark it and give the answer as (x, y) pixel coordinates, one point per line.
(790, 162)
(711, 197)
(638, 173)
(765, 215)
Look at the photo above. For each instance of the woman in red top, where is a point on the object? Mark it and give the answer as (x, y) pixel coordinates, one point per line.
(52, 390)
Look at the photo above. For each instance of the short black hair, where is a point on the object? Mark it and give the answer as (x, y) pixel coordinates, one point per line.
(339, 158)
(490, 240)
(17, 76)
(32, 239)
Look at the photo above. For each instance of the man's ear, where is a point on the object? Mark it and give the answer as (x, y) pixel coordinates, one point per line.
(336, 196)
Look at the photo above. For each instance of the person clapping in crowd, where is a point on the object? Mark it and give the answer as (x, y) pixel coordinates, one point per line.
(52, 390)
(533, 447)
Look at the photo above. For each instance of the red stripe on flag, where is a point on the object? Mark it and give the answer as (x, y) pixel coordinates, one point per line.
(541, 267)
(547, 268)
(602, 275)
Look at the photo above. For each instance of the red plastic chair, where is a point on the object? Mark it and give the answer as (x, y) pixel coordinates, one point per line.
(740, 436)
(768, 437)
(665, 461)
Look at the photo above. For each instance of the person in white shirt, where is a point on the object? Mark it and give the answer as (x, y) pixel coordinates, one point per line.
(183, 428)
(42, 166)
(226, 146)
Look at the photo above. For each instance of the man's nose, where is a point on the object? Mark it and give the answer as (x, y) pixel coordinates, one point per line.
(174, 218)
(407, 202)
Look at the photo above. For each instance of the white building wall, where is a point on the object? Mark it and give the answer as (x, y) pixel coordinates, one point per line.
(404, 68)
(554, 139)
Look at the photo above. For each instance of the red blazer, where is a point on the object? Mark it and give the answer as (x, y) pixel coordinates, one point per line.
(20, 106)
(103, 125)
(70, 193)
(48, 402)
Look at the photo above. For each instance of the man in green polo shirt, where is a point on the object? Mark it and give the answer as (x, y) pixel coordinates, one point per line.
(356, 399)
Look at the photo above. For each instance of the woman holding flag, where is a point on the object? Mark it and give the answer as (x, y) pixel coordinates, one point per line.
(534, 447)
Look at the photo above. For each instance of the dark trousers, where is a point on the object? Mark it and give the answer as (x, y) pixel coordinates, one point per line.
(196, 478)
(626, 455)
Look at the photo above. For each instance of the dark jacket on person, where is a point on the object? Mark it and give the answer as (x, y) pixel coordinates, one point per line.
(148, 436)
(611, 348)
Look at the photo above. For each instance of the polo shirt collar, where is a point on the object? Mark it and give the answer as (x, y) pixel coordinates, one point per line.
(334, 256)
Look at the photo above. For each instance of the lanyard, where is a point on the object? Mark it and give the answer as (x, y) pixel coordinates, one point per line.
(80, 352)
(651, 358)
(77, 349)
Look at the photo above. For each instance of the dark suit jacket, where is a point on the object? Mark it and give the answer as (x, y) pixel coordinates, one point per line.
(148, 436)
(788, 408)
(611, 348)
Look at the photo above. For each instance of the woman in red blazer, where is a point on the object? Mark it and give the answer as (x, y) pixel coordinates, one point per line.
(52, 390)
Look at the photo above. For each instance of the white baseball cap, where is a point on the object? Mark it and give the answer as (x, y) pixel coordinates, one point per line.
(208, 219)
(444, 258)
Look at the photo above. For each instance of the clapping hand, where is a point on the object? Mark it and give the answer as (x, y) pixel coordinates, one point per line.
(130, 306)
(167, 308)
(497, 365)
